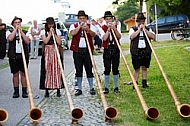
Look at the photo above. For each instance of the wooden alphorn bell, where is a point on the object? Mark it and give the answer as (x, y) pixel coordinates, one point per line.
(3, 116)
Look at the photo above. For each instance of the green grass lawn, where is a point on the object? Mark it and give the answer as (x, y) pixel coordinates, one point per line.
(4, 66)
(175, 60)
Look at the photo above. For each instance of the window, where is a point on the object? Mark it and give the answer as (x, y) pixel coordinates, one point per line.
(71, 16)
(161, 20)
(181, 18)
(171, 19)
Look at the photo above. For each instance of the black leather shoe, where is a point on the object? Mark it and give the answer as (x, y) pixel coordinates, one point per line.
(16, 92)
(144, 85)
(106, 91)
(24, 92)
(92, 91)
(58, 93)
(16, 95)
(25, 95)
(78, 92)
(46, 94)
(116, 90)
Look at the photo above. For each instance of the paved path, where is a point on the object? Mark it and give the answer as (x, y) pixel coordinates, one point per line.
(56, 111)
(4, 61)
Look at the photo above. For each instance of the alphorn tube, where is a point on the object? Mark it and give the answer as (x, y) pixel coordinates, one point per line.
(110, 112)
(3, 116)
(76, 113)
(183, 109)
(35, 113)
(150, 113)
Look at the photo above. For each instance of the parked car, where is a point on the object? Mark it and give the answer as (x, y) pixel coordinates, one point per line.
(165, 24)
(64, 36)
(70, 19)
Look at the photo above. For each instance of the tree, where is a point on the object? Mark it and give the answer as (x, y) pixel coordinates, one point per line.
(171, 7)
(29, 22)
(168, 7)
(126, 10)
(132, 1)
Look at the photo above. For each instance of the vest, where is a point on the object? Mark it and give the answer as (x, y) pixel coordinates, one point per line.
(12, 48)
(106, 43)
(76, 39)
(135, 41)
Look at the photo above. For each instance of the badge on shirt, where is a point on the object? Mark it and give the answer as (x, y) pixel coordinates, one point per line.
(18, 46)
(141, 43)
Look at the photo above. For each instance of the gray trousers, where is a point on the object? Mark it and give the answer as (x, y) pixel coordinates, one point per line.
(34, 45)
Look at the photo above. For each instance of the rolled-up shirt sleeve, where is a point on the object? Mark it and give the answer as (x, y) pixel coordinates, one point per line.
(72, 27)
(7, 34)
(131, 31)
(101, 31)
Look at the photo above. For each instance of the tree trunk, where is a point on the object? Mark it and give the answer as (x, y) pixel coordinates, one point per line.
(141, 5)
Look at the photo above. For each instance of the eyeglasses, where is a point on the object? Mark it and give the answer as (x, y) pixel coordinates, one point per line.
(108, 18)
(141, 21)
(17, 22)
(82, 18)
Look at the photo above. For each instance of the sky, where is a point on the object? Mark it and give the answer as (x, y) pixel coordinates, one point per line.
(39, 10)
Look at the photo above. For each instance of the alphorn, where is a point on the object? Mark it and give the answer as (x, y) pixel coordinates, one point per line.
(183, 109)
(150, 113)
(3, 116)
(35, 113)
(76, 113)
(110, 112)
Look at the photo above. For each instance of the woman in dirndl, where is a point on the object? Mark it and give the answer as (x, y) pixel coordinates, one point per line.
(50, 74)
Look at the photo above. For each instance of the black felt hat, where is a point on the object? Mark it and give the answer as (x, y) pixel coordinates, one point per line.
(108, 14)
(49, 20)
(140, 16)
(15, 18)
(81, 13)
